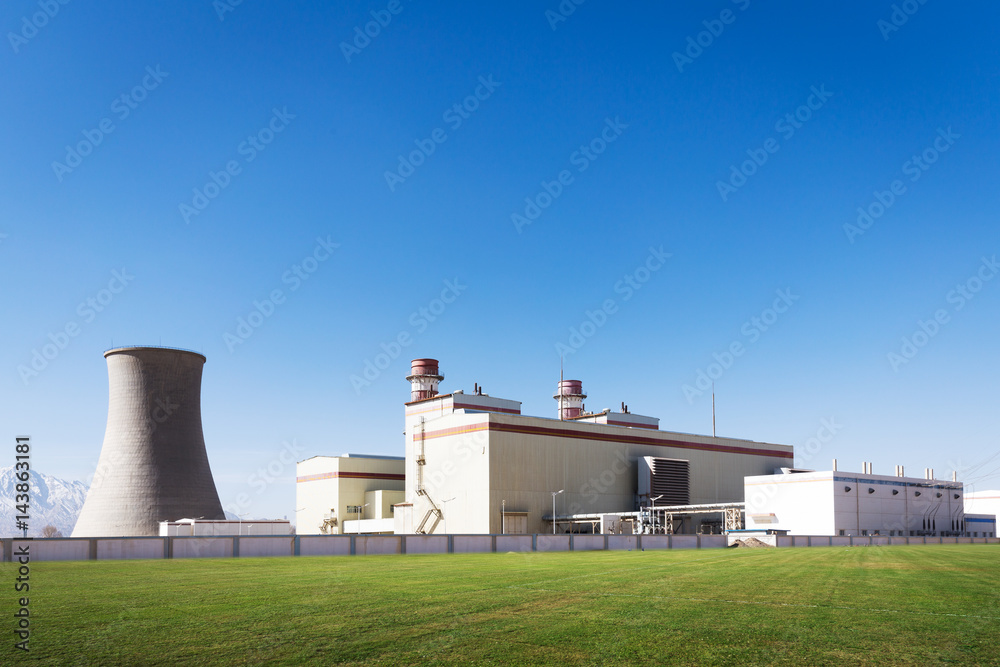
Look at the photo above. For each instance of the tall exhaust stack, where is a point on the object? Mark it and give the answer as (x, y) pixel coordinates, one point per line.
(153, 465)
(423, 378)
(569, 395)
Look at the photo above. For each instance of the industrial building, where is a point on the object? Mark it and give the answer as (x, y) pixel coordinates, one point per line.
(214, 528)
(153, 465)
(475, 464)
(986, 505)
(840, 503)
(334, 493)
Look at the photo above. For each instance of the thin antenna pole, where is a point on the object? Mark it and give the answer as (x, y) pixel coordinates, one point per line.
(713, 409)
(560, 390)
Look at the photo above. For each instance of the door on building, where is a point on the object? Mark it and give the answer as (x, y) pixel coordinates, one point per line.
(515, 523)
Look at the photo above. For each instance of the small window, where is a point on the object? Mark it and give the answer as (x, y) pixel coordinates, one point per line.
(841, 532)
(864, 532)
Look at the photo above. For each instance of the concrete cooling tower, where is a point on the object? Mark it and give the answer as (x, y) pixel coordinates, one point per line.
(153, 464)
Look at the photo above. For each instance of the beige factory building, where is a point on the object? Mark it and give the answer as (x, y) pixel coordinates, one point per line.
(843, 503)
(475, 464)
(333, 492)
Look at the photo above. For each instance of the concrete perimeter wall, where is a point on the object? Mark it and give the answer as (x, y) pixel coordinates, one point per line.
(231, 546)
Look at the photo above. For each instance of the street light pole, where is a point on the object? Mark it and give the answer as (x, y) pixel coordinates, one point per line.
(444, 519)
(554, 494)
(358, 515)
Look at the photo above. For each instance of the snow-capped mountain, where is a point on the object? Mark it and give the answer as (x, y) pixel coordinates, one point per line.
(53, 501)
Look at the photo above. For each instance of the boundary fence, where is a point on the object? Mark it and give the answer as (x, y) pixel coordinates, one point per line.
(256, 546)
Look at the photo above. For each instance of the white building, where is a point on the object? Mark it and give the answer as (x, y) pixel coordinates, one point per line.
(846, 503)
(347, 494)
(220, 527)
(986, 504)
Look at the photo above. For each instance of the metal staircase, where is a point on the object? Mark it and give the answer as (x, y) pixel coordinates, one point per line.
(434, 511)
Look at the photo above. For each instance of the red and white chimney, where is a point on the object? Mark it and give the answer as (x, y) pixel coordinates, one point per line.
(570, 396)
(423, 378)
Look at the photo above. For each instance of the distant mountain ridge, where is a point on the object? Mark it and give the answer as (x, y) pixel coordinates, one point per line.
(53, 501)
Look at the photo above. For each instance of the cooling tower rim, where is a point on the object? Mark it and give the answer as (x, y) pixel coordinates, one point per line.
(133, 348)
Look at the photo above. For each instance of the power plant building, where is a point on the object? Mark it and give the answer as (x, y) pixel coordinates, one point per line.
(475, 464)
(859, 504)
(985, 505)
(333, 493)
(153, 465)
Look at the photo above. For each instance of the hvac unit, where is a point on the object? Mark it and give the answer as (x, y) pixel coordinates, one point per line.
(667, 480)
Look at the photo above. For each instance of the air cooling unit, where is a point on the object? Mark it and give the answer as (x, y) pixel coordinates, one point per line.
(668, 478)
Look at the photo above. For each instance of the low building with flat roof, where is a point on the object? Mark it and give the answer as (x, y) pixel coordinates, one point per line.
(330, 490)
(856, 504)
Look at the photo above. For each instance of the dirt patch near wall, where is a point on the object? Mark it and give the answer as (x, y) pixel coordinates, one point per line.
(750, 543)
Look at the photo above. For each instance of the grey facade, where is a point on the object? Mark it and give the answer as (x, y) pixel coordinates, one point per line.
(153, 465)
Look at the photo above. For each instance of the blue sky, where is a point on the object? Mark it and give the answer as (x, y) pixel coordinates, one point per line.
(642, 112)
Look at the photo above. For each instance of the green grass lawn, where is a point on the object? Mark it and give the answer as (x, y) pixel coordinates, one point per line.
(838, 606)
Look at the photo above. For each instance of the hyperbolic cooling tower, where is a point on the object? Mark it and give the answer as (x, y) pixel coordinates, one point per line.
(153, 464)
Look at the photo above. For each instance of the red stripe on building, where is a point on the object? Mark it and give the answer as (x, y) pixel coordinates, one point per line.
(633, 425)
(484, 408)
(454, 430)
(624, 438)
(352, 475)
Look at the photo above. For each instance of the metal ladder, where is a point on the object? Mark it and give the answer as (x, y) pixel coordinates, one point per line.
(434, 511)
